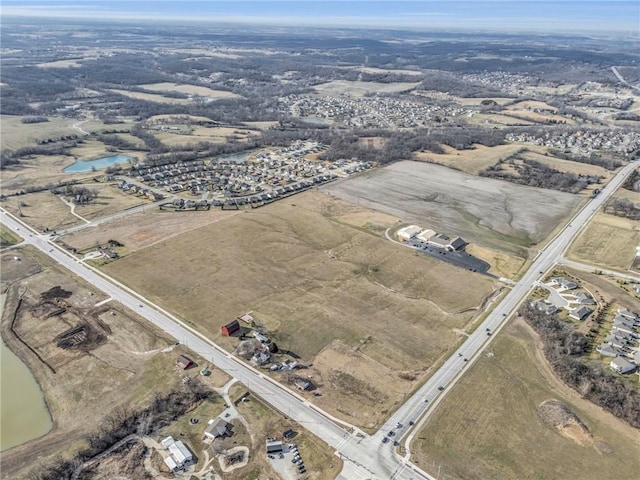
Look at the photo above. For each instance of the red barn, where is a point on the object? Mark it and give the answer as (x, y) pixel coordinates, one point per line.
(230, 328)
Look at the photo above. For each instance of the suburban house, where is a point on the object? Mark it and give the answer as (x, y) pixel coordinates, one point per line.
(274, 446)
(622, 366)
(302, 384)
(584, 298)
(230, 328)
(628, 314)
(544, 307)
(580, 313)
(184, 362)
(564, 283)
(609, 350)
(407, 233)
(261, 358)
(179, 456)
(217, 428)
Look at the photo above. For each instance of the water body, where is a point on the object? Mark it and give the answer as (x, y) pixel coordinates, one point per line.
(235, 157)
(23, 412)
(81, 166)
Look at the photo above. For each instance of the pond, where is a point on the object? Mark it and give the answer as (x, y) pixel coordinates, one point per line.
(23, 411)
(86, 166)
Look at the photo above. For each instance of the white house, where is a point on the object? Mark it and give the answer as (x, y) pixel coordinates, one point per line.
(426, 235)
(564, 283)
(179, 455)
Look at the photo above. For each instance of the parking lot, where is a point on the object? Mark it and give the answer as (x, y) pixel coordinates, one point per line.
(289, 464)
(460, 259)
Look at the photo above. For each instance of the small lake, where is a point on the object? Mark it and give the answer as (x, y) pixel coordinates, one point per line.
(23, 412)
(104, 162)
(235, 157)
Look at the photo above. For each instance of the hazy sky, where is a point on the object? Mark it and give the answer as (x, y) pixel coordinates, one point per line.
(559, 16)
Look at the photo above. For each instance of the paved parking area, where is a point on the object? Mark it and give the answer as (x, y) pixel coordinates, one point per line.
(284, 466)
(460, 259)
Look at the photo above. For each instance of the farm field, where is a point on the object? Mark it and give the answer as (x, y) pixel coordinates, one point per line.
(608, 241)
(489, 425)
(110, 200)
(122, 366)
(16, 134)
(479, 209)
(496, 119)
(189, 90)
(323, 290)
(358, 89)
(471, 161)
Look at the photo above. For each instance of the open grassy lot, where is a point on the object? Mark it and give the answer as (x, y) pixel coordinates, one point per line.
(80, 386)
(478, 101)
(189, 90)
(203, 134)
(16, 134)
(41, 210)
(497, 214)
(310, 280)
(564, 165)
(608, 241)
(504, 265)
(358, 89)
(145, 228)
(151, 97)
(7, 237)
(496, 119)
(471, 161)
(489, 426)
(109, 200)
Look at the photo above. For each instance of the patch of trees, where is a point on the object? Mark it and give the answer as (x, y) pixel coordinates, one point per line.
(117, 142)
(451, 83)
(633, 117)
(623, 207)
(121, 423)
(593, 159)
(562, 347)
(38, 119)
(536, 174)
(633, 181)
(152, 143)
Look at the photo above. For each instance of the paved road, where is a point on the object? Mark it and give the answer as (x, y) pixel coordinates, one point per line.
(593, 268)
(365, 456)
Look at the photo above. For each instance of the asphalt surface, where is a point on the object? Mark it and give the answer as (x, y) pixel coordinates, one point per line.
(364, 456)
(460, 259)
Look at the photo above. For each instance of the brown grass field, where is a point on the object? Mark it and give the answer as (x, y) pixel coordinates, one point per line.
(471, 161)
(8, 237)
(16, 134)
(124, 371)
(496, 214)
(478, 101)
(608, 241)
(110, 200)
(203, 134)
(310, 280)
(41, 210)
(189, 90)
(488, 426)
(496, 119)
(151, 97)
(565, 165)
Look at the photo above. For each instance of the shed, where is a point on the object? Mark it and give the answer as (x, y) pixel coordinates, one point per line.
(275, 446)
(456, 244)
(246, 318)
(184, 362)
(230, 328)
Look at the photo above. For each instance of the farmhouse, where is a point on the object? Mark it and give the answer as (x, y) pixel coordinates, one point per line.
(217, 428)
(230, 328)
(580, 313)
(184, 362)
(179, 455)
(622, 366)
(407, 233)
(564, 283)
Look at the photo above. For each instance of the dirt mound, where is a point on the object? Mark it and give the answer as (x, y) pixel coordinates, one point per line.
(55, 292)
(557, 415)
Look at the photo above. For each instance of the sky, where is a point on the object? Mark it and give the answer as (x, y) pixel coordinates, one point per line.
(545, 16)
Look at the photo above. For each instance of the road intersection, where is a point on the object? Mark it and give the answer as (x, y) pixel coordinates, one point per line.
(364, 456)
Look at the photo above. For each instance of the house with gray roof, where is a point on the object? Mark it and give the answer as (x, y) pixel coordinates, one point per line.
(217, 428)
(584, 298)
(608, 350)
(564, 283)
(622, 366)
(580, 313)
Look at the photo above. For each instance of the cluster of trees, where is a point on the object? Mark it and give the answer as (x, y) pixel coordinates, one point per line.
(121, 423)
(536, 174)
(151, 142)
(37, 119)
(117, 142)
(623, 207)
(563, 346)
(632, 182)
(593, 159)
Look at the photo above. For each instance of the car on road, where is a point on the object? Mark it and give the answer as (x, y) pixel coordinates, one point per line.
(488, 329)
(441, 388)
(396, 443)
(398, 425)
(459, 354)
(385, 440)
(488, 334)
(391, 433)
(426, 400)
(411, 422)
(465, 360)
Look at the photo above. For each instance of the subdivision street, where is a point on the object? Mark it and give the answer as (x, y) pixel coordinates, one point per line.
(364, 456)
